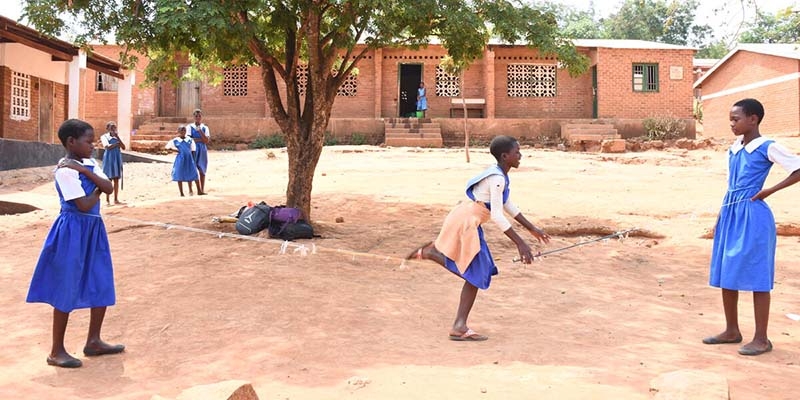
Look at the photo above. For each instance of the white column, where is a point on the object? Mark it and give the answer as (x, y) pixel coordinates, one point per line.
(124, 98)
(77, 64)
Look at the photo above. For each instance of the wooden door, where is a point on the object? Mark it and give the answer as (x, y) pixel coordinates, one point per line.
(46, 133)
(188, 97)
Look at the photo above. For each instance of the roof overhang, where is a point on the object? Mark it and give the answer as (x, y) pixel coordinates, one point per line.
(59, 50)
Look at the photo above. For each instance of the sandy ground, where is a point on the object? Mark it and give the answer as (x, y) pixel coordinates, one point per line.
(352, 321)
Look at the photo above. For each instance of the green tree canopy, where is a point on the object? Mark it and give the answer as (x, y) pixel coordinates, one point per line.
(665, 21)
(329, 36)
(783, 27)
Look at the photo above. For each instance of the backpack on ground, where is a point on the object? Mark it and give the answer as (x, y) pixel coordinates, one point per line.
(254, 219)
(297, 230)
(281, 217)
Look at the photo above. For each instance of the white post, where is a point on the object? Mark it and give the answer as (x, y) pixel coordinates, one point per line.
(77, 64)
(124, 98)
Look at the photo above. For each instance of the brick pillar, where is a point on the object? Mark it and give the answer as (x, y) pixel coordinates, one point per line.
(488, 72)
(377, 59)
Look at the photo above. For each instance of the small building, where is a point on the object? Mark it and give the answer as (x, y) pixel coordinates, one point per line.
(41, 83)
(767, 72)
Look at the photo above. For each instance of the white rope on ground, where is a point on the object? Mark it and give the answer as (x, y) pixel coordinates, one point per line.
(284, 244)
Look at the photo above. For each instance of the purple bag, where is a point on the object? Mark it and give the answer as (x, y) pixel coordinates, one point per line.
(281, 217)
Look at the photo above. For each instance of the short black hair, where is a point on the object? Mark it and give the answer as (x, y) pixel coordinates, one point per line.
(501, 144)
(72, 128)
(751, 107)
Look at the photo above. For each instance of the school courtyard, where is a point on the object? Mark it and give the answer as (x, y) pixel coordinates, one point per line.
(349, 319)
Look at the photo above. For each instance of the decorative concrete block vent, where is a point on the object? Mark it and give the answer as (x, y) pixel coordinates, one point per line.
(226, 390)
(690, 384)
(592, 138)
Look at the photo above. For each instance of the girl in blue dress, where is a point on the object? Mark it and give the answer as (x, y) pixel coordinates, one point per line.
(201, 136)
(422, 99)
(743, 256)
(112, 158)
(74, 269)
(184, 168)
(461, 247)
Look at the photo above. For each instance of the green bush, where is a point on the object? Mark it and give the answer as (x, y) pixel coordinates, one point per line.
(268, 142)
(330, 140)
(663, 128)
(358, 139)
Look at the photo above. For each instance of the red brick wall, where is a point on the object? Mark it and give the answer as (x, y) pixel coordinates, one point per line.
(99, 107)
(616, 98)
(781, 100)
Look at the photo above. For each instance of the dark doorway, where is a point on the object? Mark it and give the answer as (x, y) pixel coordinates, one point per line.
(410, 77)
(594, 91)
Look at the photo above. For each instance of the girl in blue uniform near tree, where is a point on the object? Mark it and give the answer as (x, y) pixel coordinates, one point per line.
(184, 168)
(201, 136)
(460, 246)
(743, 256)
(74, 269)
(112, 158)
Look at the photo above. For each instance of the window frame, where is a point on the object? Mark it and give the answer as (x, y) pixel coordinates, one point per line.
(650, 77)
(20, 104)
(103, 85)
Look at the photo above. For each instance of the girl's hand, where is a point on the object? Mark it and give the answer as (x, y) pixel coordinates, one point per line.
(72, 164)
(525, 254)
(540, 235)
(761, 195)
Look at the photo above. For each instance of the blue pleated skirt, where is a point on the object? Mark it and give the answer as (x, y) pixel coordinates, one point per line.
(74, 269)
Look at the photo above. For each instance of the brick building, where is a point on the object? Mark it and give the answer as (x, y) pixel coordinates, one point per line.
(42, 83)
(767, 72)
(510, 90)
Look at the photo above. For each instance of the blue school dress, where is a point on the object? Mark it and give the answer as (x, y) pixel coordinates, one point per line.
(184, 168)
(422, 102)
(743, 254)
(201, 154)
(480, 271)
(74, 269)
(112, 158)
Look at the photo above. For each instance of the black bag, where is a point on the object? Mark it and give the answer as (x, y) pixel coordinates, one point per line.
(254, 219)
(297, 230)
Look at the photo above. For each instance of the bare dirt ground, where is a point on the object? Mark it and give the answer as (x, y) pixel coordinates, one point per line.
(351, 321)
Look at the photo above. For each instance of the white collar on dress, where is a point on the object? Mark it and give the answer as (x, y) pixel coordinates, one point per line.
(751, 147)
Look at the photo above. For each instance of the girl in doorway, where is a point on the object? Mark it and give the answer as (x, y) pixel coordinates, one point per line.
(422, 99)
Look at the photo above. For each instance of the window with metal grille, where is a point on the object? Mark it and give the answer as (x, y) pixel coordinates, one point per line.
(105, 83)
(349, 87)
(645, 77)
(20, 96)
(447, 85)
(234, 81)
(531, 80)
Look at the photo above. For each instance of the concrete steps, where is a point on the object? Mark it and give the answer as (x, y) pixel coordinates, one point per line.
(152, 136)
(592, 138)
(412, 132)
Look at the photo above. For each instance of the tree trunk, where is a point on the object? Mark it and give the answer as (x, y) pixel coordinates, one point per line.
(304, 148)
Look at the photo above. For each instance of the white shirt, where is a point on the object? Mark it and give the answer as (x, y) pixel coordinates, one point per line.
(490, 190)
(69, 182)
(198, 128)
(171, 143)
(775, 152)
(106, 140)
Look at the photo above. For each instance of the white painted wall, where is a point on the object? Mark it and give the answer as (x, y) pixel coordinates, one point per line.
(33, 62)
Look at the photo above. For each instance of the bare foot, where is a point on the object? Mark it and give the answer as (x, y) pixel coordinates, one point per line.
(421, 253)
(201, 193)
